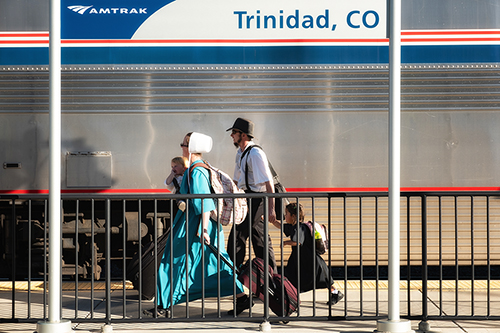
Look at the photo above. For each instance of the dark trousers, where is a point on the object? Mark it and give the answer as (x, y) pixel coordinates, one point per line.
(258, 238)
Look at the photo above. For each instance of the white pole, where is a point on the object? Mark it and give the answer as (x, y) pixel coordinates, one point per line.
(394, 157)
(393, 323)
(55, 324)
(55, 163)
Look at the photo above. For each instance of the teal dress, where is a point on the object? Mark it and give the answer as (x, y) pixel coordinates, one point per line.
(192, 281)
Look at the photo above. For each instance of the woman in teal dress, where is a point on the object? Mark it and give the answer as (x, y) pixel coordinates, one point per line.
(176, 290)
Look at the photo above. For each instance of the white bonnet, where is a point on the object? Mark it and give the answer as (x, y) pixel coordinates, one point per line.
(200, 143)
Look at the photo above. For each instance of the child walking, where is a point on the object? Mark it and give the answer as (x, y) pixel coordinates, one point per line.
(173, 182)
(307, 252)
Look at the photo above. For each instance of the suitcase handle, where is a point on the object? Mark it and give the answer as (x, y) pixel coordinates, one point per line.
(227, 262)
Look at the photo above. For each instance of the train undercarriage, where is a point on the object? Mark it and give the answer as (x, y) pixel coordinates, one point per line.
(83, 235)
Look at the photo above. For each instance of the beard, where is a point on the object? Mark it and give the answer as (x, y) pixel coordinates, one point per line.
(237, 143)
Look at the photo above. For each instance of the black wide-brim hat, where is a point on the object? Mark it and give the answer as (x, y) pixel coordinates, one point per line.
(244, 125)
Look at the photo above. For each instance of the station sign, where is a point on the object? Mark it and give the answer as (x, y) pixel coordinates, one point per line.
(296, 21)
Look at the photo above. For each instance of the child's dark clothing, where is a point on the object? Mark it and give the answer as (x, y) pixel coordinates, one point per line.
(306, 262)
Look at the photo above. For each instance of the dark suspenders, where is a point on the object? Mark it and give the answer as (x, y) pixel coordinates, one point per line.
(273, 173)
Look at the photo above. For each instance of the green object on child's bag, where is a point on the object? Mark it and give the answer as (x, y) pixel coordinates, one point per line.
(320, 236)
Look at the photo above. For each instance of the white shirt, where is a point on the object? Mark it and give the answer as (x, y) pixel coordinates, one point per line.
(258, 169)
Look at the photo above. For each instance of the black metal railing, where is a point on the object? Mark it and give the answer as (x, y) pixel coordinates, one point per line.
(450, 257)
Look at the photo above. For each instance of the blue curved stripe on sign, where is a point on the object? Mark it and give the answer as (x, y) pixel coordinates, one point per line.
(105, 19)
(240, 55)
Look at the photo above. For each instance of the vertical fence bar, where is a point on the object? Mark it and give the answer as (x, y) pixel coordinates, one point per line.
(139, 215)
(424, 257)
(456, 256)
(93, 258)
(281, 245)
(329, 230)
(218, 244)
(297, 225)
(13, 256)
(202, 243)
(344, 199)
(440, 206)
(77, 250)
(266, 256)
(488, 258)
(124, 261)
(377, 273)
(45, 256)
(408, 251)
(361, 266)
(107, 253)
(233, 246)
(250, 223)
(61, 214)
(187, 264)
(314, 255)
(472, 252)
(155, 253)
(29, 259)
(171, 271)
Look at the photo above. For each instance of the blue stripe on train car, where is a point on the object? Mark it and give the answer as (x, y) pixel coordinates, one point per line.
(450, 53)
(229, 55)
(251, 55)
(24, 56)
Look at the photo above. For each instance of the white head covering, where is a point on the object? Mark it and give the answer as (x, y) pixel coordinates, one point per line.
(200, 143)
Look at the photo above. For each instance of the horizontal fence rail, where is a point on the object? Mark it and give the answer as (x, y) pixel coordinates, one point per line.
(450, 257)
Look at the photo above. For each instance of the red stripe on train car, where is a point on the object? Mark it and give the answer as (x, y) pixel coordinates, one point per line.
(403, 189)
(216, 41)
(291, 189)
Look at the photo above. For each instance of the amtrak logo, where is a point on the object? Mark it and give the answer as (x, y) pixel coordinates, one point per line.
(79, 9)
(110, 10)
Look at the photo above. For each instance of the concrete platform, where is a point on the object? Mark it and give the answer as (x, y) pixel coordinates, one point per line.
(448, 326)
(360, 300)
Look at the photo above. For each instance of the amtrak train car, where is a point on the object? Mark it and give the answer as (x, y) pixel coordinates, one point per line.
(312, 75)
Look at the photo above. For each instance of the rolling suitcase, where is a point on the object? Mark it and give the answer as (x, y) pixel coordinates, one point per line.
(278, 296)
(258, 276)
(288, 294)
(148, 266)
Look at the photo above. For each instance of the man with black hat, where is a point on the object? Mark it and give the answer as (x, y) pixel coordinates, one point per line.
(257, 178)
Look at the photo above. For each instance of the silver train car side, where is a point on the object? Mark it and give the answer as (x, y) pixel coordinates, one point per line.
(321, 110)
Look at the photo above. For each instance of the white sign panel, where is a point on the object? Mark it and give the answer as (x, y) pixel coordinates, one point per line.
(300, 21)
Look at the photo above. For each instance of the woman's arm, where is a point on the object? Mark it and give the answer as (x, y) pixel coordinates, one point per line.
(201, 185)
(205, 217)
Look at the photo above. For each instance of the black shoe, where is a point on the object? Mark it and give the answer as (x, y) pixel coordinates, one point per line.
(160, 312)
(242, 303)
(335, 298)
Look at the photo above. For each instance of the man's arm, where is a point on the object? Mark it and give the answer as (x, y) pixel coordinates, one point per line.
(272, 213)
